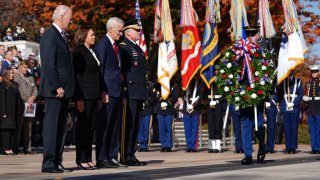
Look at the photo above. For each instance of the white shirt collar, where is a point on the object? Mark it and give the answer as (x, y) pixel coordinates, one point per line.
(111, 40)
(59, 29)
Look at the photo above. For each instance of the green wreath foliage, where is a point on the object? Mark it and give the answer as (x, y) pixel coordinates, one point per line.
(239, 92)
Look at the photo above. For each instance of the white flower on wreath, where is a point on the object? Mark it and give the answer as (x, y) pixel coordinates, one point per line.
(242, 92)
(264, 68)
(262, 83)
(222, 71)
(263, 55)
(226, 89)
(230, 76)
(254, 95)
(227, 54)
(229, 65)
(237, 99)
(256, 73)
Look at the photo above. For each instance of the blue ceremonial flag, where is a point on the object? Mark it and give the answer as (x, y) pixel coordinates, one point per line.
(210, 53)
(243, 32)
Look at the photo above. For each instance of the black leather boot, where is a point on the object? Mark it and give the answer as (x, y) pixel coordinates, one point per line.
(262, 152)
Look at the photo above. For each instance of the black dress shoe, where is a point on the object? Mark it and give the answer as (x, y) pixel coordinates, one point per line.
(315, 152)
(142, 163)
(247, 161)
(163, 150)
(135, 162)
(106, 164)
(210, 150)
(188, 150)
(117, 163)
(61, 167)
(168, 150)
(260, 158)
(54, 170)
(216, 151)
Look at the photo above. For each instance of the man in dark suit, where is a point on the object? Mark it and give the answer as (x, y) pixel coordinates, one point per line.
(57, 86)
(134, 68)
(107, 51)
(7, 62)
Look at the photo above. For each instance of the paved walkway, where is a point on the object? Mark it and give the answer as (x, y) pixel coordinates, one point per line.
(176, 165)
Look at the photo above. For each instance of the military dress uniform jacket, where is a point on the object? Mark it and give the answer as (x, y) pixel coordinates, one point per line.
(298, 95)
(314, 97)
(134, 69)
(196, 105)
(150, 101)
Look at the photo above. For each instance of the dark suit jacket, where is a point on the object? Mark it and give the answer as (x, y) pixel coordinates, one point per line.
(56, 69)
(110, 70)
(4, 65)
(87, 74)
(134, 68)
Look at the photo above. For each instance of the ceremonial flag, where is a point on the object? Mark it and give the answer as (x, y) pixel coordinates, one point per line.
(210, 42)
(292, 50)
(191, 45)
(167, 58)
(167, 66)
(238, 15)
(210, 53)
(142, 41)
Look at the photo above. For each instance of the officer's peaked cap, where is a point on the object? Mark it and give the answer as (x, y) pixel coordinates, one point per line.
(132, 24)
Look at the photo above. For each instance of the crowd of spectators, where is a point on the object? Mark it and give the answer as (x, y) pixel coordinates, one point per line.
(19, 81)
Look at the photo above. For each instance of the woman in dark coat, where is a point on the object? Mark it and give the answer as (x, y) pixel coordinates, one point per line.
(11, 109)
(87, 93)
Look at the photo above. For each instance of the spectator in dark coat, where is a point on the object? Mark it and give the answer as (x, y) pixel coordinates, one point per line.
(11, 108)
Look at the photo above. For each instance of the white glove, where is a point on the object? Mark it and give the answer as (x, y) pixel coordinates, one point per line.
(163, 104)
(236, 108)
(305, 98)
(267, 105)
(213, 103)
(189, 107)
(290, 105)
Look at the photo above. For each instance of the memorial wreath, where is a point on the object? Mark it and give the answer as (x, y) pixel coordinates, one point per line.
(245, 74)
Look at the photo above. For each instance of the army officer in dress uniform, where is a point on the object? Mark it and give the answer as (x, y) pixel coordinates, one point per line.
(134, 68)
(313, 100)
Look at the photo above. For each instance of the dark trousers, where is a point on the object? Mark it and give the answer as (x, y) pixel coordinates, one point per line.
(53, 132)
(7, 139)
(215, 123)
(144, 131)
(23, 134)
(111, 135)
(84, 131)
(290, 123)
(130, 128)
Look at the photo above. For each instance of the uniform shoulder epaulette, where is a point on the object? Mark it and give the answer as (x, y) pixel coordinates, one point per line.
(123, 43)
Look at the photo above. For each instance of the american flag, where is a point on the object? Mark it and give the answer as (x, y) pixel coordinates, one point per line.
(142, 41)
